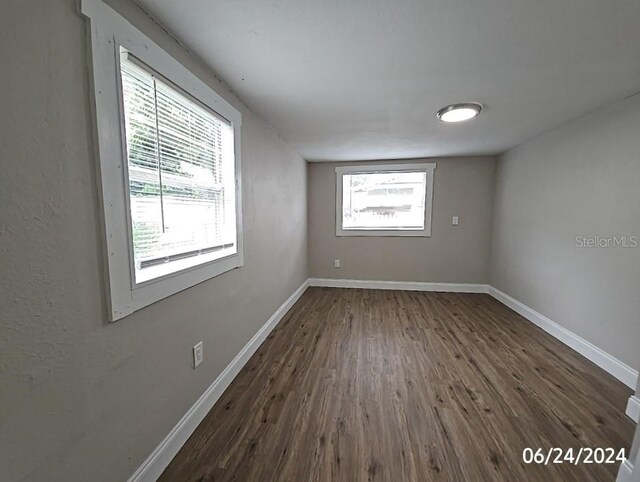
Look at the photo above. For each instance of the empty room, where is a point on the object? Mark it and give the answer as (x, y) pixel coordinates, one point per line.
(319, 240)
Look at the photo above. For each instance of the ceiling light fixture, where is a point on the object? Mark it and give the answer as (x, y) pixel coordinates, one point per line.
(459, 112)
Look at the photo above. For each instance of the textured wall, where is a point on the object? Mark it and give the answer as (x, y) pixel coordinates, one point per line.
(80, 399)
(578, 180)
(462, 186)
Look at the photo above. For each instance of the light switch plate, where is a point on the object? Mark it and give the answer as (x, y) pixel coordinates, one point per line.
(455, 220)
(198, 354)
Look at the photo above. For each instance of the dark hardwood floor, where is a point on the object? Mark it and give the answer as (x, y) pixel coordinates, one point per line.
(364, 385)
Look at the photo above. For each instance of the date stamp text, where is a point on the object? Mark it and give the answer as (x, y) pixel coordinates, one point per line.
(573, 456)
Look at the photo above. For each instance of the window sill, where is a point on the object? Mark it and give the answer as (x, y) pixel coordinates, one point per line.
(382, 233)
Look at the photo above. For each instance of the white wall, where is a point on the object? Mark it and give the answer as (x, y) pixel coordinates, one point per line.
(582, 179)
(81, 399)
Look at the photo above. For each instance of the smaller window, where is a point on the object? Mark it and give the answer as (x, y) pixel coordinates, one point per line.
(384, 200)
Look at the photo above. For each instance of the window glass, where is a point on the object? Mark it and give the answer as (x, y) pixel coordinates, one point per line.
(384, 201)
(181, 176)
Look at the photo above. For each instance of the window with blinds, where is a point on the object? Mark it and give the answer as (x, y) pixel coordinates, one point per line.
(181, 171)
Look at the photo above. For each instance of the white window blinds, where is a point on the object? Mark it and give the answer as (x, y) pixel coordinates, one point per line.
(181, 176)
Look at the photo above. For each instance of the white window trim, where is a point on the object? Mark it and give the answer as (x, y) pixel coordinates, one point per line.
(109, 31)
(427, 168)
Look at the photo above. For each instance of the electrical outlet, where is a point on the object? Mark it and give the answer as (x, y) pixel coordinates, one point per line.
(198, 355)
(455, 220)
(336, 263)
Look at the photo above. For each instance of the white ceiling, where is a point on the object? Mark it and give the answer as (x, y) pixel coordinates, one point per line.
(363, 79)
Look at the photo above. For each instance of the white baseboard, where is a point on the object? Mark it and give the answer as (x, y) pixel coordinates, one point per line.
(633, 408)
(610, 364)
(400, 285)
(625, 472)
(155, 464)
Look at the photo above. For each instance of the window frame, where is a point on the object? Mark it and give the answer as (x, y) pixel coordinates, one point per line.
(108, 32)
(427, 168)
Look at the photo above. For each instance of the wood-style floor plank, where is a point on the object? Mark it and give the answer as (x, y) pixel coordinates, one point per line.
(365, 385)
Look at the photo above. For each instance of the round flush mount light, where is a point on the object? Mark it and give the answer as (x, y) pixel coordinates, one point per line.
(459, 112)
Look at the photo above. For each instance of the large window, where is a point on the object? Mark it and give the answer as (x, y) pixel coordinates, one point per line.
(169, 168)
(181, 176)
(384, 200)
